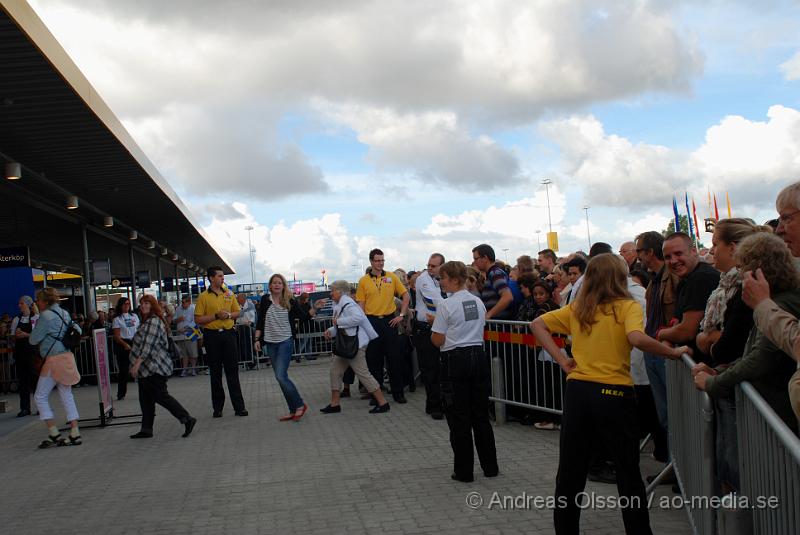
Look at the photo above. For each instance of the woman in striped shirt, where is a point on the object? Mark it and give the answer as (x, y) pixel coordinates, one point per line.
(276, 328)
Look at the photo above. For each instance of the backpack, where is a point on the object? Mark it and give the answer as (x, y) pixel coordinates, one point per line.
(72, 338)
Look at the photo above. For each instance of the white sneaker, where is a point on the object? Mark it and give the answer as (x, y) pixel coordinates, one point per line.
(184, 373)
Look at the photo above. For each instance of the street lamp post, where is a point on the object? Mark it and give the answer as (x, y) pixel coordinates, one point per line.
(505, 250)
(546, 182)
(538, 240)
(249, 229)
(588, 235)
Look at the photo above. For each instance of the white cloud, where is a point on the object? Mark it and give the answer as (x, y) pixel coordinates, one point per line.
(612, 170)
(751, 159)
(516, 219)
(213, 80)
(791, 67)
(433, 146)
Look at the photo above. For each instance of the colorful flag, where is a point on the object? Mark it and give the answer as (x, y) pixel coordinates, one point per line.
(193, 334)
(696, 226)
(675, 211)
(716, 212)
(728, 199)
(688, 214)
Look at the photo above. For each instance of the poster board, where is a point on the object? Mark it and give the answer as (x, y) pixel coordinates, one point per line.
(103, 371)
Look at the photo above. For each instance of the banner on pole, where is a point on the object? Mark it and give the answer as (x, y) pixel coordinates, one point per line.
(103, 372)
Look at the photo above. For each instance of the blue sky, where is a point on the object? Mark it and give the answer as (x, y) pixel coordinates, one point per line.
(417, 126)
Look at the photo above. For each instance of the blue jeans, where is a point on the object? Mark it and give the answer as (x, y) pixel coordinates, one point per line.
(657, 375)
(281, 355)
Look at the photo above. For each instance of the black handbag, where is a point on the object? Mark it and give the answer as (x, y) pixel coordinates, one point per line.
(343, 345)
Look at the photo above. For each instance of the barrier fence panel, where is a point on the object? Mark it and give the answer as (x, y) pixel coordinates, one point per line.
(8, 372)
(522, 374)
(769, 464)
(310, 339)
(245, 338)
(691, 443)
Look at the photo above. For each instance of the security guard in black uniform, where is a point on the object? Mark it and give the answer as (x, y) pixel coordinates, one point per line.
(458, 331)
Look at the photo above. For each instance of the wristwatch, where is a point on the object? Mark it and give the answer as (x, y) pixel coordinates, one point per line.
(402, 315)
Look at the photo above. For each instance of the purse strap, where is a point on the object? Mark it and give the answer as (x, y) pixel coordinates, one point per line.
(340, 315)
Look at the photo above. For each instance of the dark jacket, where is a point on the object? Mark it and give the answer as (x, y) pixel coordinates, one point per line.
(764, 365)
(296, 313)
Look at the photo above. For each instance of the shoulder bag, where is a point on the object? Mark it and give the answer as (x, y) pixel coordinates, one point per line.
(343, 345)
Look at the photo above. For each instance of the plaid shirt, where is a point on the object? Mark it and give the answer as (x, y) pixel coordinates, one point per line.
(151, 345)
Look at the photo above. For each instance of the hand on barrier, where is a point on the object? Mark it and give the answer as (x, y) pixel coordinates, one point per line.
(327, 334)
(700, 380)
(257, 346)
(755, 288)
(677, 352)
(703, 368)
(395, 320)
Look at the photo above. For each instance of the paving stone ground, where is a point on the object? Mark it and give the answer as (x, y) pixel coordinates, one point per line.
(351, 472)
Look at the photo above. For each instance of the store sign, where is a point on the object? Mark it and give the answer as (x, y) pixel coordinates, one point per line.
(13, 257)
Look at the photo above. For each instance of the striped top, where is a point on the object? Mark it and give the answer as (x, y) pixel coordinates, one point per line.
(276, 324)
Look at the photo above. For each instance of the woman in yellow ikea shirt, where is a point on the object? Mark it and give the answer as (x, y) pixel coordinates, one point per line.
(599, 403)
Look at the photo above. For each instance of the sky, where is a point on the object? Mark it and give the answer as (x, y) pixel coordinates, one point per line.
(417, 127)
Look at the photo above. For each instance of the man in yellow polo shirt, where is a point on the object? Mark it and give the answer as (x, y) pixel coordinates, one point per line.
(215, 312)
(375, 294)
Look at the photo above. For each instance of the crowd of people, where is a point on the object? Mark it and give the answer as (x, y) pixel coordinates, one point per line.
(734, 308)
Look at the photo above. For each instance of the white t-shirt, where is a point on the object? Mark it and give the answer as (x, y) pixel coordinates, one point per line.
(460, 318)
(184, 318)
(638, 370)
(127, 325)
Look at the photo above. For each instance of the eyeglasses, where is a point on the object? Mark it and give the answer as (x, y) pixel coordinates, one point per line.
(784, 219)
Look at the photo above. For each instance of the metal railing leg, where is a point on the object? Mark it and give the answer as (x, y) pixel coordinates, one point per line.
(657, 481)
(499, 390)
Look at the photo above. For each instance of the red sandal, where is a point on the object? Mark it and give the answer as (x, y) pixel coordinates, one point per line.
(296, 416)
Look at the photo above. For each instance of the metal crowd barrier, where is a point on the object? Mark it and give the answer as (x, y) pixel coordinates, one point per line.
(769, 464)
(310, 338)
(521, 375)
(8, 372)
(691, 444)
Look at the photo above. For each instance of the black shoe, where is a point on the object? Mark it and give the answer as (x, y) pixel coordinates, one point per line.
(242, 412)
(381, 409)
(344, 393)
(493, 473)
(412, 387)
(23, 412)
(373, 402)
(188, 426)
(437, 415)
(330, 409)
(142, 434)
(217, 414)
(400, 398)
(603, 475)
(456, 477)
(120, 398)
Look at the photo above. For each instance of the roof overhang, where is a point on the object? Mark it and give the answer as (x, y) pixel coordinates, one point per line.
(69, 142)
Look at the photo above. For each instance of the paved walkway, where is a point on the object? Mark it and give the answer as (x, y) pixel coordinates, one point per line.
(352, 472)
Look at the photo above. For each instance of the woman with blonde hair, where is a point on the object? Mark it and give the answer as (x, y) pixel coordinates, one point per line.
(275, 331)
(765, 365)
(152, 364)
(727, 320)
(605, 322)
(59, 370)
